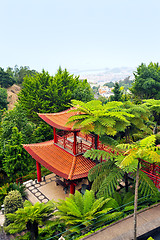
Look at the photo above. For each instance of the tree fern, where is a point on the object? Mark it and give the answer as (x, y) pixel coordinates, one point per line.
(100, 118)
(110, 184)
(88, 200)
(92, 212)
(146, 186)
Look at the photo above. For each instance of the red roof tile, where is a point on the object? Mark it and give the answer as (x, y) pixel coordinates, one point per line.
(60, 161)
(58, 120)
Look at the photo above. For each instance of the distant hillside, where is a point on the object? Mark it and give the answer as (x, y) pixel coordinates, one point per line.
(12, 93)
(107, 75)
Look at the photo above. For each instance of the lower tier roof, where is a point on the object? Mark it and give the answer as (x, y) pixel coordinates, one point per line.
(59, 161)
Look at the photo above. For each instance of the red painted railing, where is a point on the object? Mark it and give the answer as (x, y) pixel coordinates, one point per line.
(154, 178)
(153, 172)
(26, 178)
(67, 142)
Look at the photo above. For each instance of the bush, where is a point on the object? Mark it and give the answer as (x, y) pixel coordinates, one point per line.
(20, 188)
(12, 202)
(51, 230)
(6, 188)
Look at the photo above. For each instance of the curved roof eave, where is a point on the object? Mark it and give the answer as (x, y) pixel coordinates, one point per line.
(59, 120)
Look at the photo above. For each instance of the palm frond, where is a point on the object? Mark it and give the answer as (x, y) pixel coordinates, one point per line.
(146, 186)
(110, 183)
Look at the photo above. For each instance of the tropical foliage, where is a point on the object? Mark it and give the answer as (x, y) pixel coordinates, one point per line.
(6, 188)
(100, 119)
(30, 217)
(5, 79)
(117, 93)
(105, 176)
(146, 150)
(78, 212)
(147, 81)
(3, 98)
(17, 118)
(154, 109)
(16, 161)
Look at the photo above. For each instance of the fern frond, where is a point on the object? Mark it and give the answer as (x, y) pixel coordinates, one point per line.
(110, 183)
(79, 201)
(146, 186)
(99, 169)
(148, 142)
(88, 199)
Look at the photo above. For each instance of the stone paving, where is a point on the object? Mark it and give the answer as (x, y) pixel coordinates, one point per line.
(34, 188)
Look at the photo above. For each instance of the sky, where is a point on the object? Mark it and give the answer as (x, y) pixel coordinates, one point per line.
(79, 35)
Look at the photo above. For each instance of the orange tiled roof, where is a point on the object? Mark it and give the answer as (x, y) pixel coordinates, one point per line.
(60, 161)
(58, 120)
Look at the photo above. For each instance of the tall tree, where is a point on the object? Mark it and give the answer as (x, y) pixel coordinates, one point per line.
(30, 217)
(105, 176)
(16, 118)
(117, 93)
(154, 108)
(6, 80)
(138, 124)
(16, 161)
(83, 91)
(108, 119)
(3, 98)
(146, 150)
(21, 72)
(44, 93)
(147, 81)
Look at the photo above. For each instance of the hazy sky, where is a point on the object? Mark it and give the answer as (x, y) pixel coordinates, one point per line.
(79, 35)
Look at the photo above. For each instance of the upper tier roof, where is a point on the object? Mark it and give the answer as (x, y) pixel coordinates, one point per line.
(60, 161)
(59, 120)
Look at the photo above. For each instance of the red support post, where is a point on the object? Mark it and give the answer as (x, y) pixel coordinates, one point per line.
(72, 188)
(38, 171)
(55, 135)
(97, 141)
(75, 143)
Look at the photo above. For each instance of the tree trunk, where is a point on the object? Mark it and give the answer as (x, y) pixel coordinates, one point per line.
(155, 130)
(96, 146)
(33, 229)
(136, 202)
(126, 181)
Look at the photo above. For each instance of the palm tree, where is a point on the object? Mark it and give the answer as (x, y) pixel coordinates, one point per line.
(138, 124)
(79, 212)
(146, 150)
(154, 108)
(108, 119)
(128, 161)
(105, 176)
(30, 217)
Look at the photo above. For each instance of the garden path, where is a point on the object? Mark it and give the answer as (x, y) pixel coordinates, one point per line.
(148, 220)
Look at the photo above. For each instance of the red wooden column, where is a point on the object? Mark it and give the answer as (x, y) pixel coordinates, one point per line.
(38, 171)
(75, 143)
(55, 135)
(72, 188)
(98, 142)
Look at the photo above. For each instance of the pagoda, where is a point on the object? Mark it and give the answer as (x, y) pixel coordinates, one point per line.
(64, 154)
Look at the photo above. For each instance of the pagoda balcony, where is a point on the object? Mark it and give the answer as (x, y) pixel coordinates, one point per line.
(83, 142)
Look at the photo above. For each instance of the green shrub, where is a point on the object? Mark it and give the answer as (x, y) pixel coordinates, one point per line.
(12, 202)
(19, 187)
(6, 188)
(51, 230)
(3, 192)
